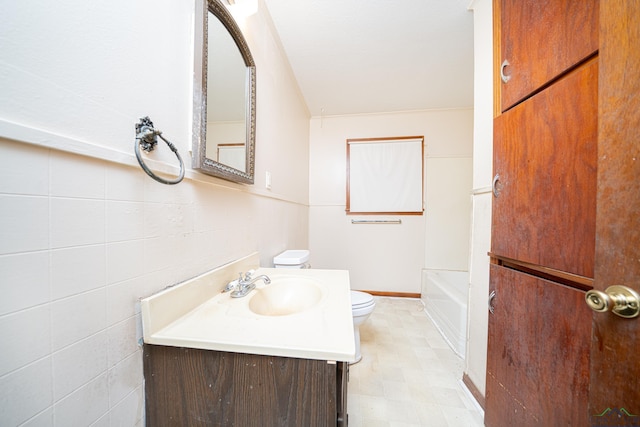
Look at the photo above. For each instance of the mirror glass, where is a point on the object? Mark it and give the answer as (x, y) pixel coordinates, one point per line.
(224, 96)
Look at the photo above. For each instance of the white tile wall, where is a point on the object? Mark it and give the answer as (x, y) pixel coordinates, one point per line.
(125, 221)
(43, 419)
(77, 269)
(119, 256)
(121, 184)
(81, 241)
(122, 377)
(23, 271)
(79, 363)
(26, 392)
(122, 298)
(84, 405)
(25, 223)
(78, 177)
(27, 337)
(76, 222)
(128, 412)
(122, 341)
(65, 312)
(15, 178)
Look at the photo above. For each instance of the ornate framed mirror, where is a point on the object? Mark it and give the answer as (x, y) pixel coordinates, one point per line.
(224, 119)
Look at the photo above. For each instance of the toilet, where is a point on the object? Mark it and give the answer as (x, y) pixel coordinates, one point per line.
(293, 258)
(362, 303)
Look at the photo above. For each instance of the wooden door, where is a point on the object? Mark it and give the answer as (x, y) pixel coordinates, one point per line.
(545, 162)
(531, 30)
(538, 366)
(522, 386)
(614, 397)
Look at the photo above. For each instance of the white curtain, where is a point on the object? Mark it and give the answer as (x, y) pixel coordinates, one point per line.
(385, 176)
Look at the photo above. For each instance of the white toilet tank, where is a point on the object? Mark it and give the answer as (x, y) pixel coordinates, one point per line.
(293, 258)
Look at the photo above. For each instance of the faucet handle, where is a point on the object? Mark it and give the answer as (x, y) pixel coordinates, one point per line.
(246, 276)
(231, 285)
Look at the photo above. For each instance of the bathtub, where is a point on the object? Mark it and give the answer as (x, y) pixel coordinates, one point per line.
(444, 295)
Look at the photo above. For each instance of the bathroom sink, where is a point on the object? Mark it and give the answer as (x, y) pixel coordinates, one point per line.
(286, 295)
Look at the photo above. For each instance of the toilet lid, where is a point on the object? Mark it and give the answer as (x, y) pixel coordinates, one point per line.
(359, 299)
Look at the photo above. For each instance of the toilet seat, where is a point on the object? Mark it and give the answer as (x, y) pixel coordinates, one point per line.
(361, 300)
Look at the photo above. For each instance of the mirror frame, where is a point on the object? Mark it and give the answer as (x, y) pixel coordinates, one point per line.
(200, 161)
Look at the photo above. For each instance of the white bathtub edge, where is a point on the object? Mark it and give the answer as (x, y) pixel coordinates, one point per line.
(445, 304)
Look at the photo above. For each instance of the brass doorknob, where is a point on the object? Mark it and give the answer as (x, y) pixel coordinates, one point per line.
(621, 300)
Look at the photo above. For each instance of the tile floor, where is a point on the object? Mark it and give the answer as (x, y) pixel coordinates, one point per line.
(408, 375)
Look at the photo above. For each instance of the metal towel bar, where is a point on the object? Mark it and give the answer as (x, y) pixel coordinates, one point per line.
(376, 221)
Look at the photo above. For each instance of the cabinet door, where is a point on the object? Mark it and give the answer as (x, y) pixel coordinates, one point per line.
(193, 387)
(538, 359)
(545, 154)
(541, 39)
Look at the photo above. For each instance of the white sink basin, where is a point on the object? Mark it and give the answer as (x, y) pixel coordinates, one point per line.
(286, 295)
(303, 313)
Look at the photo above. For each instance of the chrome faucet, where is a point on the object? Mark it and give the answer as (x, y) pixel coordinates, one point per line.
(244, 284)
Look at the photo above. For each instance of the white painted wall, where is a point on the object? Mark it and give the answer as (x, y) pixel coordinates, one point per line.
(83, 231)
(391, 257)
(476, 358)
(447, 214)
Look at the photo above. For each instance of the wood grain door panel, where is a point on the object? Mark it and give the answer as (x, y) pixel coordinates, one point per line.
(615, 352)
(542, 39)
(545, 155)
(526, 331)
(538, 359)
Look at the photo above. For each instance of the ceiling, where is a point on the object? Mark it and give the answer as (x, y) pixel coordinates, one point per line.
(366, 56)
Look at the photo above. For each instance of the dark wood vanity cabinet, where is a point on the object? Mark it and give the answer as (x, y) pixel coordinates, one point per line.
(193, 387)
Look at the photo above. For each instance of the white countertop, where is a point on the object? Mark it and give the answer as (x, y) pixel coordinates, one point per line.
(218, 322)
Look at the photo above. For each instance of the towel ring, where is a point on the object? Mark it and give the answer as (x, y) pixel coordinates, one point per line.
(146, 136)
